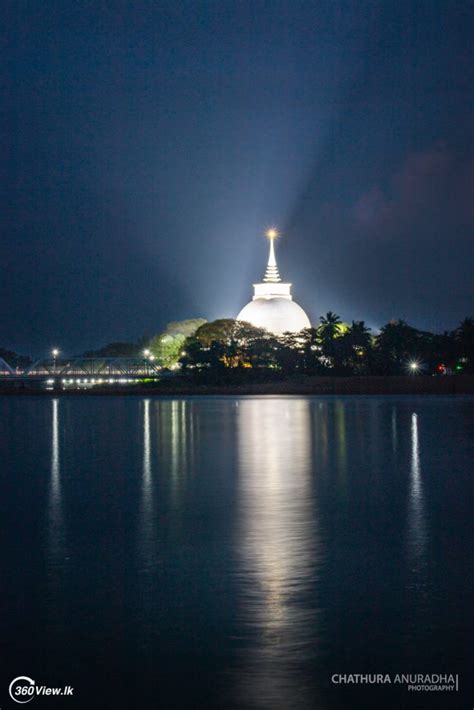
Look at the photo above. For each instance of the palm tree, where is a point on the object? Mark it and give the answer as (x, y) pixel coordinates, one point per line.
(465, 333)
(329, 326)
(464, 338)
(357, 347)
(329, 332)
(359, 335)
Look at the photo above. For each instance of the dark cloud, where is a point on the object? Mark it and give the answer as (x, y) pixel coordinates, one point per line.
(433, 189)
(401, 249)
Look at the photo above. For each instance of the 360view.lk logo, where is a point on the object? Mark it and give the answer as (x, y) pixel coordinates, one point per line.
(23, 689)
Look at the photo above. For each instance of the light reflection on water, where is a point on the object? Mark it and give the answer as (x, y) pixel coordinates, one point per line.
(278, 553)
(147, 520)
(394, 430)
(416, 521)
(56, 518)
(280, 531)
(175, 427)
(417, 532)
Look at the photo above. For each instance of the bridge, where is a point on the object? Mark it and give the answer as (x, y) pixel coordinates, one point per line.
(83, 370)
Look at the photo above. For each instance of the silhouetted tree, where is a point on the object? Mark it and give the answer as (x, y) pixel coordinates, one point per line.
(464, 338)
(223, 330)
(290, 353)
(333, 348)
(396, 345)
(350, 350)
(230, 344)
(312, 351)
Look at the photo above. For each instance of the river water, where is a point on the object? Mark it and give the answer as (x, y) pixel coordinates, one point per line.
(237, 552)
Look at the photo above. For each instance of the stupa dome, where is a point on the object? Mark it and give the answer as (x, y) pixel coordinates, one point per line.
(278, 315)
(272, 306)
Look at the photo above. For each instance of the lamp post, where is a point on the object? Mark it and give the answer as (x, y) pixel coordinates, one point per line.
(149, 357)
(54, 353)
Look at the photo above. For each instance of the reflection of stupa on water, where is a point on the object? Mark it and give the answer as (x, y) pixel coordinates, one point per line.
(278, 552)
(272, 306)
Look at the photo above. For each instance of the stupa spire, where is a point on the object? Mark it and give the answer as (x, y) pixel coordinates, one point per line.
(272, 306)
(271, 273)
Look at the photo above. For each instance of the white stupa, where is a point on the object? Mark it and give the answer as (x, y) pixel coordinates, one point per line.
(272, 306)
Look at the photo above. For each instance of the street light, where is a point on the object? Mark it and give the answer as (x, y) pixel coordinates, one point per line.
(146, 352)
(414, 366)
(54, 353)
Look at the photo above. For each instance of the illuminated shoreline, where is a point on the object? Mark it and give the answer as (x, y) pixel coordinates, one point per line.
(369, 385)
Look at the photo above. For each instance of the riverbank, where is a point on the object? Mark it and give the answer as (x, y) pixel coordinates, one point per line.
(376, 385)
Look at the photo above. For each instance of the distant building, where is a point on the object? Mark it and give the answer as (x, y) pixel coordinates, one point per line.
(272, 306)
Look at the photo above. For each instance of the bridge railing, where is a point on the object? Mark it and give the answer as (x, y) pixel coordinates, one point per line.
(5, 368)
(85, 367)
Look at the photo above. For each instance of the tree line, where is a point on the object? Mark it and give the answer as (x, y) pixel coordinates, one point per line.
(331, 348)
(230, 347)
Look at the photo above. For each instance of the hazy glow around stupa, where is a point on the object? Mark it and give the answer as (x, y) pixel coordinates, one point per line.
(272, 306)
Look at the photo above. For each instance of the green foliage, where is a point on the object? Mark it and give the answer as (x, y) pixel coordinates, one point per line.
(227, 348)
(330, 327)
(224, 330)
(224, 348)
(227, 343)
(333, 348)
(168, 346)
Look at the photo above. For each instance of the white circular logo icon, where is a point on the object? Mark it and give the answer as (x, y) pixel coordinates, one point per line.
(22, 689)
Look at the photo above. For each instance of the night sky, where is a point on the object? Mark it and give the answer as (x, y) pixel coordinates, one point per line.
(146, 147)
